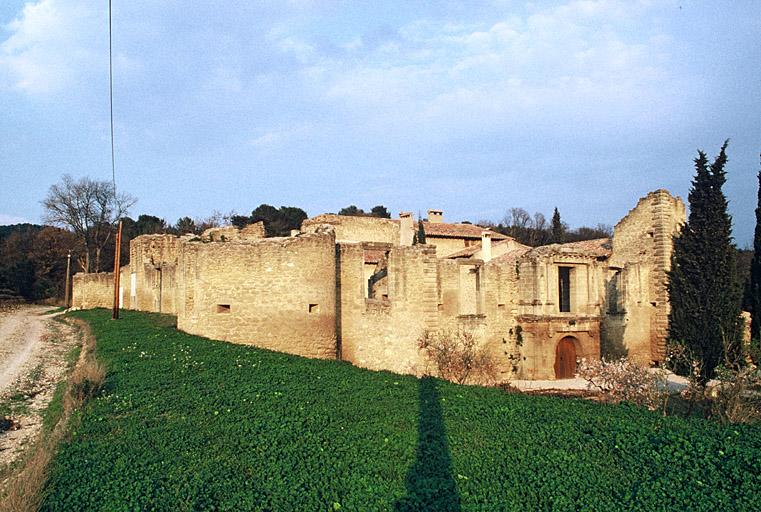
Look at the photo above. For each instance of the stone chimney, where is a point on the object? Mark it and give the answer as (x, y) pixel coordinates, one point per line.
(406, 229)
(486, 245)
(435, 216)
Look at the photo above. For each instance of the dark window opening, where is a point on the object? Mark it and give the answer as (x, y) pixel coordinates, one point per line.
(564, 289)
(223, 308)
(314, 308)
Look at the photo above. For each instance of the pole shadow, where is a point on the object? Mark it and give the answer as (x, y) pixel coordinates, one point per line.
(430, 484)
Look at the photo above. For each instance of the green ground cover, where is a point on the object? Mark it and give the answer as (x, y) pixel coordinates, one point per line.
(186, 423)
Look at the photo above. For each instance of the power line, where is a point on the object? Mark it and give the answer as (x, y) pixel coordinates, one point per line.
(111, 96)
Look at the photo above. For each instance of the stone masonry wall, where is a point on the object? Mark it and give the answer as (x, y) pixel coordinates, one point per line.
(276, 293)
(153, 262)
(642, 257)
(356, 229)
(94, 290)
(383, 334)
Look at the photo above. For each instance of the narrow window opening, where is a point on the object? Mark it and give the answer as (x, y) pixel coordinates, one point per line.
(564, 289)
(314, 308)
(223, 308)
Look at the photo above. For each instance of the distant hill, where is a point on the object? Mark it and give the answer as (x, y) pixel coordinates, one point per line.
(5, 231)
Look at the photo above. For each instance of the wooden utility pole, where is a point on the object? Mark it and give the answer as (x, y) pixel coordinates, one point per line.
(67, 288)
(117, 271)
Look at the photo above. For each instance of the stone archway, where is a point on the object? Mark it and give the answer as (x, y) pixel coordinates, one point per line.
(565, 358)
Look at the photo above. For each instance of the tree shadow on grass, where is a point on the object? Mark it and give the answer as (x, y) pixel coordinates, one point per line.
(430, 484)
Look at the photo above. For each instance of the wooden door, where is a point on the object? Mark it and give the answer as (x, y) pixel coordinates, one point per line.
(565, 359)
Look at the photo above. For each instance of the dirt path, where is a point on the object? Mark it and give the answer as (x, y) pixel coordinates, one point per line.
(33, 349)
(20, 337)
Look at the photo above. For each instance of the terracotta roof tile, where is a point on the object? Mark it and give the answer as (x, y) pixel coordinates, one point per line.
(597, 247)
(457, 230)
(470, 251)
(513, 254)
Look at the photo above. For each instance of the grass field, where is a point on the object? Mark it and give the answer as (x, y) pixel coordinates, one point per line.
(186, 423)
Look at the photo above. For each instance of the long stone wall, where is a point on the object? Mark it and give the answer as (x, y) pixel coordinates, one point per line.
(96, 290)
(276, 293)
(369, 302)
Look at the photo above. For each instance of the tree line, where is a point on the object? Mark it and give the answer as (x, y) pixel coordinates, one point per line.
(535, 230)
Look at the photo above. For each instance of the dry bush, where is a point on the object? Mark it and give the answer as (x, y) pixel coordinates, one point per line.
(86, 380)
(735, 393)
(737, 396)
(459, 357)
(625, 381)
(680, 360)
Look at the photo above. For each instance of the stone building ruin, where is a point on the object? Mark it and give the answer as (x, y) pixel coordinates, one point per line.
(360, 290)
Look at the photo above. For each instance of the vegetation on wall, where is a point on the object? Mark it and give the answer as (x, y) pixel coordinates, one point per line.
(277, 221)
(379, 211)
(703, 286)
(185, 423)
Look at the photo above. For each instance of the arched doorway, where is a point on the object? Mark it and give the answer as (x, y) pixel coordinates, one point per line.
(565, 358)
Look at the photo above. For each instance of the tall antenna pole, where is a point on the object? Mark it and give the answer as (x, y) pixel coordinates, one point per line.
(117, 273)
(111, 96)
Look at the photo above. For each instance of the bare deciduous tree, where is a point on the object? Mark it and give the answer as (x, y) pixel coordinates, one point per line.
(90, 209)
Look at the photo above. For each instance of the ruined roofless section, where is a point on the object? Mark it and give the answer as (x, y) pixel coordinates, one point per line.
(355, 288)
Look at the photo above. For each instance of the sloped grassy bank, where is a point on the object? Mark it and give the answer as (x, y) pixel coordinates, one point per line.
(185, 423)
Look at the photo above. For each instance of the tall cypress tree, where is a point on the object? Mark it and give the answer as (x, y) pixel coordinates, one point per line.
(703, 288)
(755, 275)
(558, 233)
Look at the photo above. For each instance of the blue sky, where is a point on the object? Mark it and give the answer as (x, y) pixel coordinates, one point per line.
(470, 107)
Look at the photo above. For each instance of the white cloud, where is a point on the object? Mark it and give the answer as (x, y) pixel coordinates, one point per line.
(6, 220)
(581, 59)
(51, 43)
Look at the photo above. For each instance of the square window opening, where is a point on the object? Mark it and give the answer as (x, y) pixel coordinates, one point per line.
(223, 308)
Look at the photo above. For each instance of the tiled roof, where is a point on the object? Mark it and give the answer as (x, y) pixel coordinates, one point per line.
(597, 248)
(470, 251)
(513, 254)
(444, 229)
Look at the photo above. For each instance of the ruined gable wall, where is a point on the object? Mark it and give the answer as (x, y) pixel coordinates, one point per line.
(276, 293)
(380, 334)
(152, 283)
(356, 229)
(642, 246)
